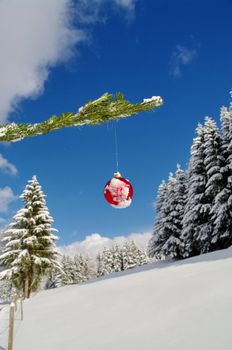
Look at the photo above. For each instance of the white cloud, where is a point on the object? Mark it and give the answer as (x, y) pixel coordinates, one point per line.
(7, 196)
(34, 36)
(7, 167)
(95, 243)
(182, 56)
(126, 4)
(92, 11)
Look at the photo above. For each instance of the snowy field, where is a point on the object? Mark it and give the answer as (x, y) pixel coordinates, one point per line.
(185, 305)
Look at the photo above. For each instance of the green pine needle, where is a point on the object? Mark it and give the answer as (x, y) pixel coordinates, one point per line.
(106, 108)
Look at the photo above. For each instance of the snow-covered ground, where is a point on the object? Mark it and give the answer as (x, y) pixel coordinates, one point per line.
(185, 305)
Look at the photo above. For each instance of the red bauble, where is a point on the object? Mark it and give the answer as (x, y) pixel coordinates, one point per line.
(118, 192)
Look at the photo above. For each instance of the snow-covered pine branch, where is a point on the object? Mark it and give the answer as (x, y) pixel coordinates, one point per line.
(106, 108)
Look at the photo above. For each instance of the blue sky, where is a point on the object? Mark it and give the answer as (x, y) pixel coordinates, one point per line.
(180, 50)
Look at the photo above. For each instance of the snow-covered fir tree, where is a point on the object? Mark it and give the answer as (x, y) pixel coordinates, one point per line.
(74, 270)
(214, 162)
(100, 267)
(141, 256)
(117, 258)
(167, 229)
(105, 262)
(30, 250)
(83, 268)
(69, 275)
(63, 277)
(196, 208)
(132, 256)
(175, 211)
(204, 183)
(109, 260)
(157, 240)
(54, 279)
(222, 206)
(80, 267)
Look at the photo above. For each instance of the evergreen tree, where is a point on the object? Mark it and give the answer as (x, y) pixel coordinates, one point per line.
(175, 211)
(222, 206)
(68, 277)
(140, 256)
(167, 229)
(54, 279)
(30, 250)
(157, 239)
(117, 258)
(130, 257)
(91, 271)
(105, 262)
(83, 268)
(80, 269)
(204, 183)
(73, 271)
(214, 162)
(196, 209)
(100, 266)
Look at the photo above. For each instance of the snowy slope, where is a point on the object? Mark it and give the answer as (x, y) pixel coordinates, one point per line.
(185, 305)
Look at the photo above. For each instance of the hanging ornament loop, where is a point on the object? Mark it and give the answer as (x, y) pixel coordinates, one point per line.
(116, 144)
(118, 191)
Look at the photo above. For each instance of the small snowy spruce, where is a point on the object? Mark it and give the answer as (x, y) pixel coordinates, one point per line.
(100, 267)
(168, 225)
(30, 250)
(175, 206)
(117, 258)
(132, 256)
(105, 262)
(141, 257)
(74, 270)
(157, 240)
(69, 275)
(84, 269)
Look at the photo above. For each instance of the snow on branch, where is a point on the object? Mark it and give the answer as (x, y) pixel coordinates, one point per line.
(106, 108)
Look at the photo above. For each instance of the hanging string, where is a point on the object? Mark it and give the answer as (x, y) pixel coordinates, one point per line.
(116, 144)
